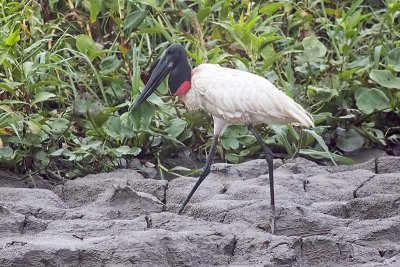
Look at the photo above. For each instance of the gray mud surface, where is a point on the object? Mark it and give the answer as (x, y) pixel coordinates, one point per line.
(327, 216)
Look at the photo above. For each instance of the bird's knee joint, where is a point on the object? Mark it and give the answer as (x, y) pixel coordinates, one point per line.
(269, 157)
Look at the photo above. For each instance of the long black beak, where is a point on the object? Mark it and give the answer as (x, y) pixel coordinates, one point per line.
(163, 68)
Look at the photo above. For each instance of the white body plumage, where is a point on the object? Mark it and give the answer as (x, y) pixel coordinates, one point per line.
(236, 97)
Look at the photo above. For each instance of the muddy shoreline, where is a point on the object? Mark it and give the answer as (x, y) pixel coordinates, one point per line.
(328, 216)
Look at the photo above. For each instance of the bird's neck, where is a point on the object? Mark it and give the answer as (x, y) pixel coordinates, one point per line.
(180, 77)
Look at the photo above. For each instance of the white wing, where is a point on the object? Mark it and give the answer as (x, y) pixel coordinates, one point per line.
(239, 97)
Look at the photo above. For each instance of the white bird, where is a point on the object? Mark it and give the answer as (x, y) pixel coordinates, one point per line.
(232, 97)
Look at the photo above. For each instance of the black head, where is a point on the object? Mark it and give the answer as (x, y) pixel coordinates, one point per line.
(173, 62)
(175, 53)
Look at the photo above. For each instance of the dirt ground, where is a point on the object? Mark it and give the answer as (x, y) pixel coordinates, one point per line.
(327, 216)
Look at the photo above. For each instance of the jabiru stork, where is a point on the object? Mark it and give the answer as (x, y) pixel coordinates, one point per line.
(232, 97)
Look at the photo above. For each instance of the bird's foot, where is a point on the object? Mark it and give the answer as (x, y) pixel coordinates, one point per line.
(181, 210)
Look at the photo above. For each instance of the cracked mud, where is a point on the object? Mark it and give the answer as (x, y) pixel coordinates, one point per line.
(327, 216)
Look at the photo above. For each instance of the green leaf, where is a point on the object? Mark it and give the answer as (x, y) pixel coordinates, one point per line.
(58, 125)
(324, 155)
(282, 138)
(142, 116)
(348, 73)
(134, 19)
(230, 143)
(161, 29)
(35, 129)
(11, 87)
(57, 153)
(236, 131)
(41, 158)
(270, 8)
(247, 140)
(180, 168)
(85, 103)
(203, 13)
(94, 9)
(27, 67)
(322, 94)
(126, 150)
(36, 45)
(321, 142)
(110, 64)
(92, 144)
(375, 135)
(362, 62)
(232, 157)
(113, 127)
(176, 128)
(153, 3)
(87, 46)
(370, 100)
(349, 140)
(313, 47)
(377, 55)
(6, 153)
(393, 57)
(385, 78)
(42, 96)
(13, 38)
(9, 102)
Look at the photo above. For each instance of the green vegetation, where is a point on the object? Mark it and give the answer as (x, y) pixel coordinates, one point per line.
(69, 71)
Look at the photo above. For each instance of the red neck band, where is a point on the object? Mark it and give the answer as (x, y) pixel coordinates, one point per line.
(183, 88)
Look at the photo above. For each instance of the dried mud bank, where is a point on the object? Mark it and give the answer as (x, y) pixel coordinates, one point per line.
(342, 216)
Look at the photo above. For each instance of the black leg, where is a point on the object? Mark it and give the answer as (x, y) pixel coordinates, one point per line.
(203, 175)
(269, 158)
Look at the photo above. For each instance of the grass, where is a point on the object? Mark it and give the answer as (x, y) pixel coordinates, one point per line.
(69, 71)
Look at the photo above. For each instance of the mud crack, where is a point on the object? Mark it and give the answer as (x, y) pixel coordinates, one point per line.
(164, 200)
(361, 185)
(230, 248)
(22, 226)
